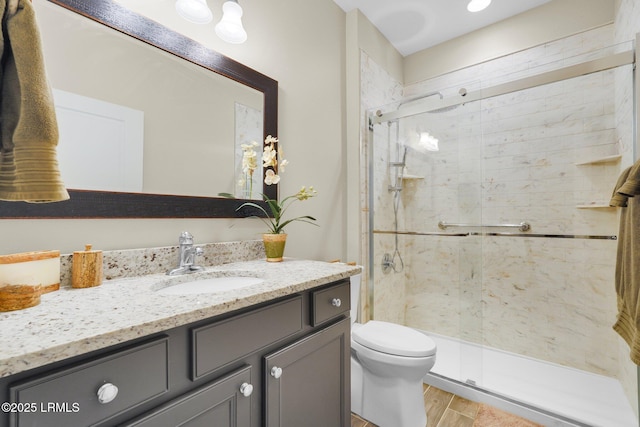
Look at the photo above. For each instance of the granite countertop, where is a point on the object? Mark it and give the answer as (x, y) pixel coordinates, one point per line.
(71, 322)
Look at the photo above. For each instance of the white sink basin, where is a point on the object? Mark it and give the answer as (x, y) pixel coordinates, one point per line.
(210, 285)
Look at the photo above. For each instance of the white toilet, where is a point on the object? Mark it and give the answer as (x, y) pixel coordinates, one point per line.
(388, 362)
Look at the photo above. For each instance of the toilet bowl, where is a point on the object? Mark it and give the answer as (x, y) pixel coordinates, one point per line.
(388, 363)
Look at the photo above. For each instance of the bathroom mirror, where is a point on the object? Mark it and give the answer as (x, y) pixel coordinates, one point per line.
(255, 92)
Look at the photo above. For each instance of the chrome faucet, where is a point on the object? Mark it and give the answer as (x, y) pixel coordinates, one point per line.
(188, 254)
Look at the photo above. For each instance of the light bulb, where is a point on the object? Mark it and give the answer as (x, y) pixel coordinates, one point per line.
(195, 11)
(230, 27)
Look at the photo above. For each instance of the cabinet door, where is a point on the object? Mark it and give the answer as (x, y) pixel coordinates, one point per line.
(308, 382)
(223, 403)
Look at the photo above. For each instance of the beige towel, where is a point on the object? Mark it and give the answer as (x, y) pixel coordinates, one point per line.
(618, 199)
(631, 185)
(28, 125)
(627, 279)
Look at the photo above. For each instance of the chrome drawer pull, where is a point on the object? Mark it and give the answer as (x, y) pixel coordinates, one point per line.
(336, 302)
(107, 392)
(246, 389)
(276, 372)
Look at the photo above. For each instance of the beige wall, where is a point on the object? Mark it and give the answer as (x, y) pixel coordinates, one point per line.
(300, 44)
(551, 21)
(378, 48)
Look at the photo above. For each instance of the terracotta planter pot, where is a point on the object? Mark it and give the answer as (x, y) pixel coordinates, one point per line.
(274, 246)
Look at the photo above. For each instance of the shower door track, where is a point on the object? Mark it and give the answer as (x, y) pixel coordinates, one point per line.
(582, 69)
(475, 233)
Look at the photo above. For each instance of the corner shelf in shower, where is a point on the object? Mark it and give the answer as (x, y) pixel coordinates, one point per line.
(599, 161)
(602, 160)
(595, 206)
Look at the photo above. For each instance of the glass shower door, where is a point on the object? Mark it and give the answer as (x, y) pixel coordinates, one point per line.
(427, 271)
(524, 314)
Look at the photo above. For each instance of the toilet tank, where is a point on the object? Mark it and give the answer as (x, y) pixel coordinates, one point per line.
(355, 296)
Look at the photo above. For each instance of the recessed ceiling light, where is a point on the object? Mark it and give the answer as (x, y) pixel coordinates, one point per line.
(478, 5)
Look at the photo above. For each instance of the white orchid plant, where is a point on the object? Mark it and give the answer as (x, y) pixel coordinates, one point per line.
(249, 165)
(272, 159)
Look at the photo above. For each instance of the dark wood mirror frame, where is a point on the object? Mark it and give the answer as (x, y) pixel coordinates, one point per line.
(103, 204)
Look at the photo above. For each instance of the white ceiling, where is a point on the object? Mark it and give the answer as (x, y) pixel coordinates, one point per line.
(414, 25)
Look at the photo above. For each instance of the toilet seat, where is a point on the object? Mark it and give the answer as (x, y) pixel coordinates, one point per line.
(393, 339)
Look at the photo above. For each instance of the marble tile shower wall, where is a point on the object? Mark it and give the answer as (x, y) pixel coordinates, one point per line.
(510, 159)
(378, 88)
(546, 298)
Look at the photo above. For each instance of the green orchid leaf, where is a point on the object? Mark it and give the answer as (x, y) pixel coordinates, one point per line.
(301, 219)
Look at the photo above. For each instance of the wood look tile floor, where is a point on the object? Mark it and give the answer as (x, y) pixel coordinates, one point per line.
(445, 409)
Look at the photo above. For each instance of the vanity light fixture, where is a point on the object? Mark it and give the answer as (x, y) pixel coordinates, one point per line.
(478, 5)
(195, 11)
(230, 27)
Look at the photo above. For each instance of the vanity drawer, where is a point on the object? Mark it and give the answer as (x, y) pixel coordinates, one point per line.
(218, 344)
(70, 396)
(330, 302)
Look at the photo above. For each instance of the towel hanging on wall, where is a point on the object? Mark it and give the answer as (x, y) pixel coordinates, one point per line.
(627, 279)
(28, 125)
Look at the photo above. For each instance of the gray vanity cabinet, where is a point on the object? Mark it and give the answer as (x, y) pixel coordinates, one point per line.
(303, 386)
(284, 363)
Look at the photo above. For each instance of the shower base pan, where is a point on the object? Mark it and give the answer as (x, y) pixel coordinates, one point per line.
(543, 392)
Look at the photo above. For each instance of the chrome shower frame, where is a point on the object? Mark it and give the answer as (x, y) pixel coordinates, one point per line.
(612, 61)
